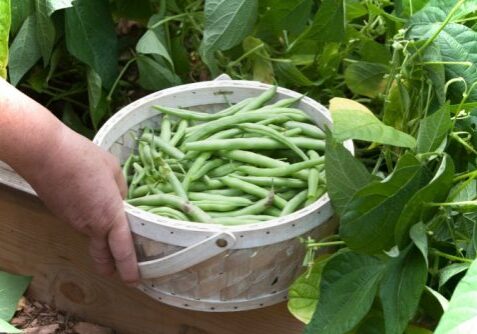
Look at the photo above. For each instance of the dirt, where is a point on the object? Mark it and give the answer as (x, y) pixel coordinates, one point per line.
(34, 317)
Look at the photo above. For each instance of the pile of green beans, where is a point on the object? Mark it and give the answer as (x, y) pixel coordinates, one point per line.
(248, 163)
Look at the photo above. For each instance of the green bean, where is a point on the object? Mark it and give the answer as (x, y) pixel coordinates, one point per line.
(212, 183)
(225, 192)
(294, 203)
(258, 143)
(223, 170)
(165, 129)
(272, 211)
(292, 132)
(180, 132)
(281, 171)
(308, 129)
(198, 115)
(164, 146)
(260, 100)
(254, 209)
(173, 180)
(167, 188)
(273, 134)
(288, 195)
(240, 201)
(127, 166)
(320, 192)
(215, 206)
(207, 167)
(313, 178)
(145, 207)
(170, 213)
(173, 201)
(284, 102)
(252, 189)
(277, 182)
(260, 160)
(139, 174)
(196, 166)
(225, 122)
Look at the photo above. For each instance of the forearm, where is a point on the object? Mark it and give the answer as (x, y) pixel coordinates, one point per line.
(29, 133)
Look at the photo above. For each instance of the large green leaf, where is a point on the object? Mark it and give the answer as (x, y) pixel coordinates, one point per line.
(24, 51)
(345, 175)
(290, 74)
(155, 74)
(461, 316)
(456, 42)
(435, 191)
(304, 293)
(446, 273)
(328, 24)
(5, 327)
(348, 287)
(20, 11)
(45, 29)
(90, 37)
(262, 66)
(290, 15)
(150, 43)
(365, 78)
(5, 22)
(369, 220)
(98, 104)
(12, 288)
(401, 289)
(352, 120)
(433, 130)
(227, 23)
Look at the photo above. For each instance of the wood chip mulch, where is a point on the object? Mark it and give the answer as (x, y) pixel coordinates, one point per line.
(34, 317)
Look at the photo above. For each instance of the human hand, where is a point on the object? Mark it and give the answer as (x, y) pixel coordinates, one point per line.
(84, 186)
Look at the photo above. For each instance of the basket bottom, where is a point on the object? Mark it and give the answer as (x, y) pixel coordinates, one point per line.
(205, 305)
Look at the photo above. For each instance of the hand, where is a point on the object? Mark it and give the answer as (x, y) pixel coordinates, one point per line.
(83, 185)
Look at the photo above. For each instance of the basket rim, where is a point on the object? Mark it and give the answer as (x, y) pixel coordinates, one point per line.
(177, 225)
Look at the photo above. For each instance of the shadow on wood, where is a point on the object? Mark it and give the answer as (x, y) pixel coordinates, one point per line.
(33, 242)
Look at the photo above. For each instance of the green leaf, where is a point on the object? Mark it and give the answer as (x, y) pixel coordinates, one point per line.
(419, 237)
(401, 289)
(226, 25)
(328, 24)
(364, 78)
(455, 44)
(12, 288)
(461, 316)
(289, 73)
(345, 175)
(5, 327)
(98, 105)
(411, 329)
(20, 11)
(437, 11)
(155, 74)
(406, 8)
(137, 10)
(433, 130)
(304, 293)
(72, 120)
(373, 323)
(352, 120)
(348, 287)
(290, 15)
(5, 22)
(45, 30)
(90, 37)
(374, 53)
(355, 9)
(368, 222)
(262, 66)
(435, 191)
(150, 44)
(24, 51)
(446, 273)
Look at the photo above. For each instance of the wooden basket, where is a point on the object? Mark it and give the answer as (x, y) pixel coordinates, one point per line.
(210, 267)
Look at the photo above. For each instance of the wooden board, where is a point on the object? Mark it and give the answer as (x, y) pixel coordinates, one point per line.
(33, 242)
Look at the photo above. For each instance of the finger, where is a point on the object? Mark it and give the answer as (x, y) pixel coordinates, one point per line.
(122, 249)
(101, 255)
(122, 185)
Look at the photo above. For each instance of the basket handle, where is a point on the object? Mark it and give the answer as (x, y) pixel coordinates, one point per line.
(187, 257)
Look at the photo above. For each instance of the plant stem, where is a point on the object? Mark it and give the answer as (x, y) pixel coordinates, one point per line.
(326, 244)
(450, 257)
(116, 82)
(245, 55)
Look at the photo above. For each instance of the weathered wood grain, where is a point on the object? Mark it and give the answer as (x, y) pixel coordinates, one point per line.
(33, 242)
